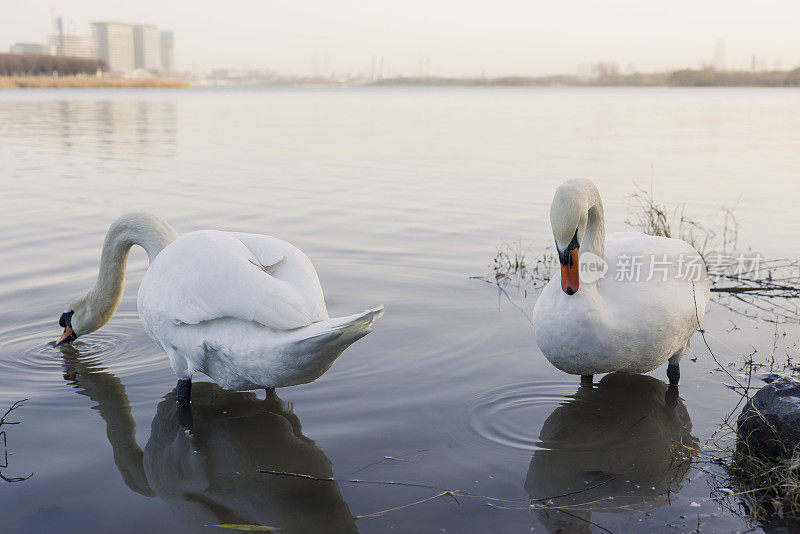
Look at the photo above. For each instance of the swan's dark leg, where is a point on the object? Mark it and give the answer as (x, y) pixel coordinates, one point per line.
(185, 419)
(673, 369)
(184, 391)
(673, 373)
(587, 380)
(671, 397)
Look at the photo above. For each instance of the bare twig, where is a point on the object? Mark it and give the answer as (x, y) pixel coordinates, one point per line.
(703, 335)
(543, 502)
(575, 492)
(3, 421)
(381, 512)
(14, 406)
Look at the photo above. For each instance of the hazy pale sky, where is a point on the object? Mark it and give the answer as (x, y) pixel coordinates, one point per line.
(461, 37)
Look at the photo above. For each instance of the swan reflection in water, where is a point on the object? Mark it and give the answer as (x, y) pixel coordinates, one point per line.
(202, 461)
(619, 436)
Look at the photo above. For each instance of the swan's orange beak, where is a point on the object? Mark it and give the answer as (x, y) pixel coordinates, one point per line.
(569, 273)
(67, 336)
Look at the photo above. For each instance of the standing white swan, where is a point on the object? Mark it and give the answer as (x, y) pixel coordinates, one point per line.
(637, 316)
(245, 309)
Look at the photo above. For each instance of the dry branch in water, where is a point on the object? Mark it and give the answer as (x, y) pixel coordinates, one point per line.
(530, 504)
(3, 421)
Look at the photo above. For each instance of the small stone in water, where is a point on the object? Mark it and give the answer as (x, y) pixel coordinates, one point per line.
(694, 505)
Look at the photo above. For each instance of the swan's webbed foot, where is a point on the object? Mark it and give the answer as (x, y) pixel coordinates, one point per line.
(674, 374)
(587, 380)
(184, 391)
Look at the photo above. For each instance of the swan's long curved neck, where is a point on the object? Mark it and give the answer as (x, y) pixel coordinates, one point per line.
(577, 213)
(138, 228)
(595, 238)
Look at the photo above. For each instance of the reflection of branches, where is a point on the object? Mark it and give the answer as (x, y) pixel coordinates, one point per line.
(3, 421)
(544, 503)
(398, 458)
(502, 291)
(515, 269)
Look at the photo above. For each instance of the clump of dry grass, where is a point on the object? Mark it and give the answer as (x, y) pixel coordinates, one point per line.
(517, 261)
(749, 485)
(768, 289)
(652, 218)
(769, 488)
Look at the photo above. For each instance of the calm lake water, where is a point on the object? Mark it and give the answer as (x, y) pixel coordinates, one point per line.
(398, 197)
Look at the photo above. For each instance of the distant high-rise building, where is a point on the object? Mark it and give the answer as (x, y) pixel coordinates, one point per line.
(69, 38)
(167, 52)
(30, 48)
(146, 47)
(115, 45)
(719, 55)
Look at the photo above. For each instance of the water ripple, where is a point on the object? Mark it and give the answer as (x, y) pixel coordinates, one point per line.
(512, 414)
(29, 357)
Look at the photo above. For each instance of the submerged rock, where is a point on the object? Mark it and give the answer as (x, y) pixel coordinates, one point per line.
(769, 424)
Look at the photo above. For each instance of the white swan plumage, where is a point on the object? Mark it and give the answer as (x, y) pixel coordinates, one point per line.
(245, 309)
(624, 320)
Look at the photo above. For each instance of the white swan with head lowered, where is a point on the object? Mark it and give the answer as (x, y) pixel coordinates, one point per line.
(245, 309)
(637, 316)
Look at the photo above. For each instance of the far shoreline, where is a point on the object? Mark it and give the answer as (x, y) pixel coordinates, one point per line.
(86, 82)
(677, 79)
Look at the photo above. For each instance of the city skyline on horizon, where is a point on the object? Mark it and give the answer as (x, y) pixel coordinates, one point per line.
(323, 41)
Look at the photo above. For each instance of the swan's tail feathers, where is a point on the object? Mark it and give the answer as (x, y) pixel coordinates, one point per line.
(313, 348)
(340, 331)
(353, 327)
(360, 321)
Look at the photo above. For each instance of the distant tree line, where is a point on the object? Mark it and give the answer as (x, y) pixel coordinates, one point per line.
(609, 75)
(36, 65)
(734, 78)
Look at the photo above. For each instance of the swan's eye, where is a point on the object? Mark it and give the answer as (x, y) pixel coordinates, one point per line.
(564, 255)
(66, 319)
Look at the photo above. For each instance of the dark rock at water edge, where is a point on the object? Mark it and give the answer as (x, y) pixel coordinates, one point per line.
(769, 424)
